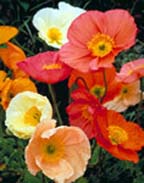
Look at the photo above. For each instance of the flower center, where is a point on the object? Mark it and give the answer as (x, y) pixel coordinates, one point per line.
(54, 149)
(32, 116)
(100, 45)
(125, 90)
(117, 135)
(52, 66)
(87, 113)
(54, 35)
(51, 149)
(98, 91)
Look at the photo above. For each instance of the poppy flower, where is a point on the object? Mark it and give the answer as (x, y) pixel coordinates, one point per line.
(101, 83)
(128, 96)
(82, 112)
(25, 111)
(45, 67)
(121, 138)
(53, 24)
(13, 87)
(95, 38)
(131, 71)
(3, 76)
(61, 153)
(10, 56)
(6, 33)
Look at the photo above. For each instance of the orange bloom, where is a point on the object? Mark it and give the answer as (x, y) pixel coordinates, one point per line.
(3, 76)
(102, 83)
(53, 151)
(95, 38)
(13, 87)
(6, 33)
(121, 138)
(131, 71)
(128, 96)
(10, 56)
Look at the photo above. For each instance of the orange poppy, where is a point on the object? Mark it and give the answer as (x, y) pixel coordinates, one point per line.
(101, 83)
(10, 56)
(6, 33)
(3, 76)
(12, 87)
(119, 137)
(95, 38)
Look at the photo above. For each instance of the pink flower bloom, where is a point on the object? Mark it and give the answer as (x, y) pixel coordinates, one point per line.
(95, 38)
(45, 67)
(131, 71)
(61, 153)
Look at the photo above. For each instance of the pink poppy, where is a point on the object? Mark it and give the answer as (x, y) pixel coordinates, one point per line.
(45, 67)
(95, 38)
(131, 71)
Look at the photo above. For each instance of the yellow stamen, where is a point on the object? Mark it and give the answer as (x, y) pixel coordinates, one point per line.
(32, 116)
(54, 35)
(117, 135)
(52, 66)
(100, 45)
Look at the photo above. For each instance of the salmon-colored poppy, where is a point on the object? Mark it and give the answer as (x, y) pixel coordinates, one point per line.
(45, 67)
(13, 87)
(95, 38)
(82, 112)
(131, 71)
(102, 83)
(130, 95)
(10, 56)
(119, 137)
(61, 153)
(7, 32)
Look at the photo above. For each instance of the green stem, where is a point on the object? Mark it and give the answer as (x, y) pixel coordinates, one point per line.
(105, 85)
(43, 178)
(51, 91)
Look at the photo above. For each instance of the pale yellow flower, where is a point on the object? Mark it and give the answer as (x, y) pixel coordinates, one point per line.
(53, 24)
(25, 111)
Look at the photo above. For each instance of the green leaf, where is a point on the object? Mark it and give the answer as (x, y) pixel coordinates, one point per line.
(82, 180)
(95, 155)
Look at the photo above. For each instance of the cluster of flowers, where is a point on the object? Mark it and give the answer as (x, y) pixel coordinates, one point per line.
(87, 43)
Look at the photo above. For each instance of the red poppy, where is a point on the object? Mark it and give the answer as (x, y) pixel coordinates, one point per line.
(45, 67)
(95, 38)
(131, 71)
(119, 137)
(83, 111)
